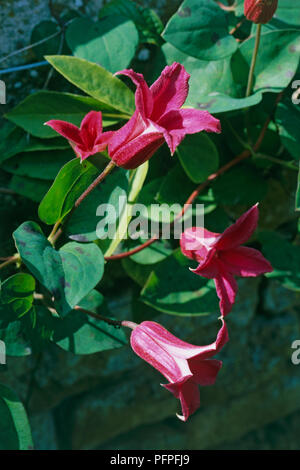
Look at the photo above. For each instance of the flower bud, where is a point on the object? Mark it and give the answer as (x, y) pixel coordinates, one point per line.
(260, 11)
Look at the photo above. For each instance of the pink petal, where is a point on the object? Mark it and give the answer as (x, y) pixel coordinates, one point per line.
(104, 139)
(143, 96)
(91, 128)
(205, 372)
(187, 121)
(138, 151)
(170, 90)
(148, 349)
(133, 128)
(196, 242)
(226, 290)
(66, 129)
(245, 262)
(240, 231)
(189, 396)
(181, 349)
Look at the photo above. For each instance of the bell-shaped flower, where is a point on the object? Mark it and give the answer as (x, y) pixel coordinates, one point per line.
(158, 118)
(86, 140)
(184, 365)
(260, 11)
(221, 257)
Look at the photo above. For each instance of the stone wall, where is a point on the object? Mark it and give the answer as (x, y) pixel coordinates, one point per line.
(18, 18)
(113, 400)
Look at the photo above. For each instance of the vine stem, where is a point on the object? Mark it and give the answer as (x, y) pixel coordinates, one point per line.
(253, 62)
(242, 156)
(11, 260)
(107, 320)
(56, 231)
(95, 183)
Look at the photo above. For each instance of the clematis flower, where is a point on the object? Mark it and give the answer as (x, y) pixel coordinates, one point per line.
(184, 365)
(260, 11)
(158, 118)
(221, 257)
(86, 140)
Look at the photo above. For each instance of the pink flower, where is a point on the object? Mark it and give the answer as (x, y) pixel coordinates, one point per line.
(184, 365)
(220, 256)
(86, 140)
(158, 118)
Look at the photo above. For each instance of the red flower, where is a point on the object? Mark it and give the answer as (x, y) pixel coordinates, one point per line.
(184, 365)
(158, 118)
(260, 11)
(220, 256)
(86, 140)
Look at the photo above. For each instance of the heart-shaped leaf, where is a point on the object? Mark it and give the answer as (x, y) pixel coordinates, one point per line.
(69, 274)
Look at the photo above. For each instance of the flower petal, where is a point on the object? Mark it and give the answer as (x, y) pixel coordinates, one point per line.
(240, 231)
(66, 129)
(137, 151)
(181, 349)
(226, 290)
(196, 242)
(187, 121)
(91, 128)
(170, 90)
(152, 352)
(143, 96)
(134, 127)
(245, 262)
(205, 372)
(189, 396)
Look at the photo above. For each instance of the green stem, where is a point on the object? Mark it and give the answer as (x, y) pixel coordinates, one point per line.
(138, 179)
(253, 62)
(289, 165)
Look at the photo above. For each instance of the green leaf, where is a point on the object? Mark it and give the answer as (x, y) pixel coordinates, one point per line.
(33, 164)
(198, 156)
(172, 288)
(240, 185)
(70, 183)
(95, 81)
(111, 42)
(83, 334)
(199, 28)
(284, 257)
(36, 109)
(212, 86)
(34, 189)
(276, 64)
(288, 121)
(153, 254)
(15, 431)
(17, 292)
(83, 224)
(69, 274)
(146, 20)
(12, 334)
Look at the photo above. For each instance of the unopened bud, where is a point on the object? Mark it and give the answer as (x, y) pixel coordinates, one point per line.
(260, 11)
